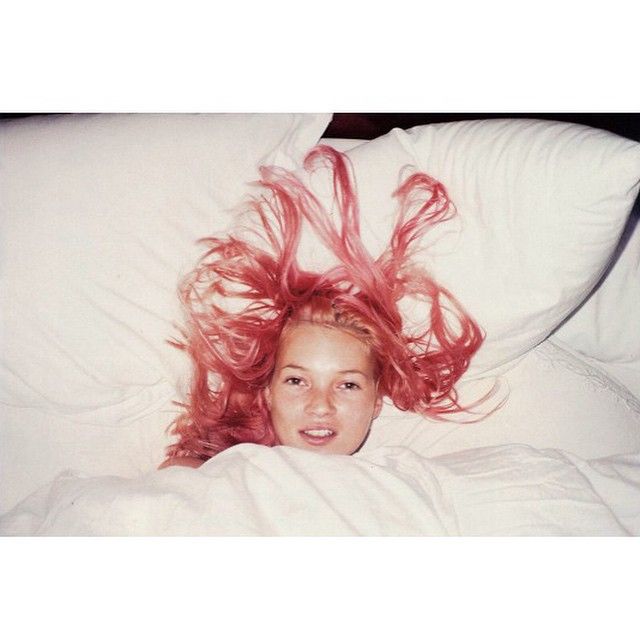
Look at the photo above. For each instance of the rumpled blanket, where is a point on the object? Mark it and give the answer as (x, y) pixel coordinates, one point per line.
(508, 490)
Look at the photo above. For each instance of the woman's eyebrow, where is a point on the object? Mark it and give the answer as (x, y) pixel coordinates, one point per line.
(362, 373)
(341, 372)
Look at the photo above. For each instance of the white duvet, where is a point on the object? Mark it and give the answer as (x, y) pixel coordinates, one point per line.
(255, 490)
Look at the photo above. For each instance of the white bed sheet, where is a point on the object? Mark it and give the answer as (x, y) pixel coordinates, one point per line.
(255, 490)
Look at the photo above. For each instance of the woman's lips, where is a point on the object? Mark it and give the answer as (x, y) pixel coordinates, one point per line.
(317, 436)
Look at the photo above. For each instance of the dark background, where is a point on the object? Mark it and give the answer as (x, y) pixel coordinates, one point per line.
(371, 125)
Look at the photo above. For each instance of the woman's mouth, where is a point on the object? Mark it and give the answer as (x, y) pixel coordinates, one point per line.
(317, 436)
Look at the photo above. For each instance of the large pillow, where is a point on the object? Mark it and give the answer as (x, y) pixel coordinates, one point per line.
(557, 400)
(541, 206)
(99, 215)
(606, 328)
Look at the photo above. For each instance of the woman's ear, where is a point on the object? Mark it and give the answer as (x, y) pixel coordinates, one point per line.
(267, 396)
(377, 407)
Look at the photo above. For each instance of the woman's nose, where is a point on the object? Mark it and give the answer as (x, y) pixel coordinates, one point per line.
(320, 402)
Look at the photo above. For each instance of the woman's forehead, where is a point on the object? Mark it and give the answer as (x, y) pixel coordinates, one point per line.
(310, 342)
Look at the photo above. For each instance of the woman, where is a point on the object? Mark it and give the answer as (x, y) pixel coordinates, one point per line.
(285, 356)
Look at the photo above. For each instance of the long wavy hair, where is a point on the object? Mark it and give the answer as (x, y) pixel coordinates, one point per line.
(243, 295)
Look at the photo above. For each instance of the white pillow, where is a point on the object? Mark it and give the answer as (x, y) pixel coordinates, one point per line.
(541, 206)
(606, 328)
(556, 400)
(99, 216)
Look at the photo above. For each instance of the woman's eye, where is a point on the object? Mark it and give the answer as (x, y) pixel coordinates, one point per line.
(350, 386)
(294, 382)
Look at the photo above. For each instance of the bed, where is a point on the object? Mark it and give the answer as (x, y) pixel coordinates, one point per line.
(99, 219)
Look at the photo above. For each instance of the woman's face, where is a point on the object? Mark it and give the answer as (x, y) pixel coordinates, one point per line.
(323, 395)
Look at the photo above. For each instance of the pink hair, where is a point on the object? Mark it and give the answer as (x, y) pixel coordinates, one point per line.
(233, 350)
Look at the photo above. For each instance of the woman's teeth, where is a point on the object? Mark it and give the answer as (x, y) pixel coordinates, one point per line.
(319, 433)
